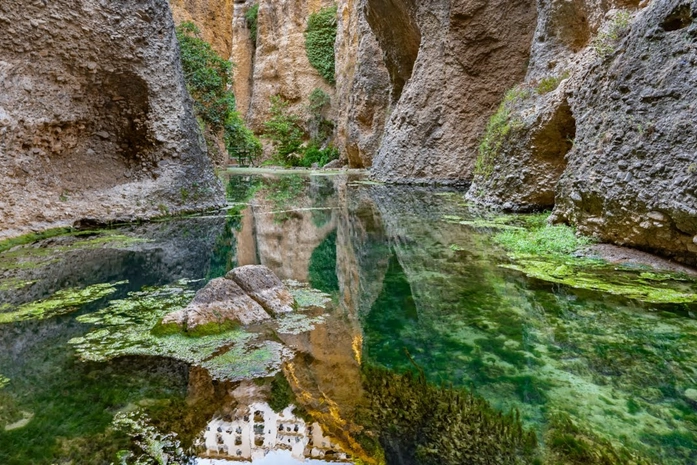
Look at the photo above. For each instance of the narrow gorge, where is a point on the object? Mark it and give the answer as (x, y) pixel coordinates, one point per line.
(358, 231)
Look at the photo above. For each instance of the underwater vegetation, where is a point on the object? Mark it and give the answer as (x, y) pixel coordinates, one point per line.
(4, 381)
(546, 252)
(427, 424)
(155, 447)
(62, 302)
(128, 327)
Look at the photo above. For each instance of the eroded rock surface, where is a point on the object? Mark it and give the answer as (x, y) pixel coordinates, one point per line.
(611, 147)
(262, 285)
(470, 53)
(632, 174)
(281, 66)
(363, 87)
(95, 120)
(221, 302)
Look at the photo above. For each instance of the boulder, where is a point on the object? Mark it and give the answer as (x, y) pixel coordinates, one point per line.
(262, 285)
(221, 301)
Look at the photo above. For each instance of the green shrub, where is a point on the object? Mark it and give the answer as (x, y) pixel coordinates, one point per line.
(320, 36)
(605, 42)
(550, 83)
(208, 77)
(252, 17)
(285, 132)
(497, 130)
(240, 141)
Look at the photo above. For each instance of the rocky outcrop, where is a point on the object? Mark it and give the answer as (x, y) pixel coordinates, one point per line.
(262, 285)
(95, 119)
(632, 174)
(243, 296)
(609, 147)
(470, 53)
(362, 88)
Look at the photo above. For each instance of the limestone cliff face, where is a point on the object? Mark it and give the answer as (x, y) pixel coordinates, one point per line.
(632, 174)
(213, 17)
(281, 66)
(470, 52)
(363, 86)
(609, 148)
(95, 120)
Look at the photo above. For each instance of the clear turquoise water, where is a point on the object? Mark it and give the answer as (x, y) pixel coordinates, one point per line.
(414, 278)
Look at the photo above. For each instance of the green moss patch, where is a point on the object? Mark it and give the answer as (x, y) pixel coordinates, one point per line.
(4, 381)
(247, 361)
(132, 326)
(547, 252)
(319, 41)
(297, 323)
(62, 302)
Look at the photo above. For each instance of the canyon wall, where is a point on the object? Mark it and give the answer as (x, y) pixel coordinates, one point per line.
(611, 147)
(470, 53)
(213, 17)
(95, 120)
(281, 66)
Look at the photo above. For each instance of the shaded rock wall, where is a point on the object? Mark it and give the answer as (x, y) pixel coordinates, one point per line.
(632, 173)
(627, 174)
(95, 120)
(470, 53)
(362, 89)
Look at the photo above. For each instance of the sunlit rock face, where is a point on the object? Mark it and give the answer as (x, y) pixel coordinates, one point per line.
(95, 119)
(468, 54)
(213, 17)
(281, 66)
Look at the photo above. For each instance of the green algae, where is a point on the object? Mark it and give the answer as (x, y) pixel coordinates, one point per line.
(30, 238)
(127, 327)
(297, 323)
(547, 253)
(131, 327)
(62, 302)
(582, 274)
(35, 253)
(154, 446)
(441, 425)
(4, 381)
(14, 284)
(250, 361)
(308, 297)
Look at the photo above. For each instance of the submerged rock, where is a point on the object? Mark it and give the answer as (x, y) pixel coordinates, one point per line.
(221, 302)
(262, 285)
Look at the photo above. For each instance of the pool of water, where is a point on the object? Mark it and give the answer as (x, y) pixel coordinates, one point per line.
(389, 280)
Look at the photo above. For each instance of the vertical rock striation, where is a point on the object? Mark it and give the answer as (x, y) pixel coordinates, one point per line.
(363, 86)
(281, 66)
(95, 119)
(213, 17)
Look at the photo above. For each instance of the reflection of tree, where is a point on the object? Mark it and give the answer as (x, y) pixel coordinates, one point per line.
(322, 272)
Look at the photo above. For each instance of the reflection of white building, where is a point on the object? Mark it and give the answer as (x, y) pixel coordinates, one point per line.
(257, 430)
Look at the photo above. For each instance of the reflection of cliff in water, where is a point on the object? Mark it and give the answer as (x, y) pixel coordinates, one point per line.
(147, 254)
